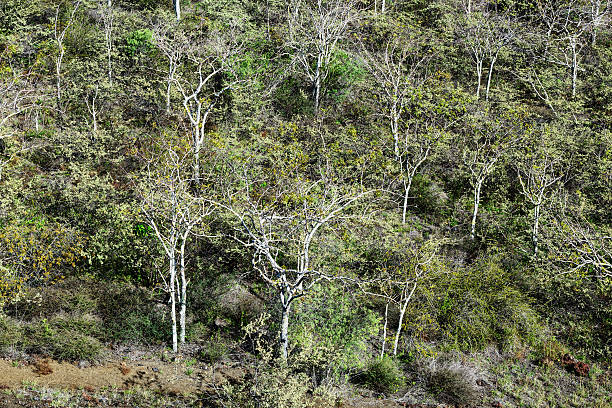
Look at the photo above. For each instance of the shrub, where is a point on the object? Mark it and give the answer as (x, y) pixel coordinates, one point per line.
(62, 339)
(384, 375)
(453, 384)
(11, 333)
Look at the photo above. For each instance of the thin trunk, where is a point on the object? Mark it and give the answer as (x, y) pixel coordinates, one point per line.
(406, 192)
(284, 335)
(384, 341)
(317, 83)
(476, 204)
(109, 4)
(574, 72)
(479, 74)
(401, 318)
(490, 76)
(173, 303)
(395, 128)
(536, 225)
(383, 6)
(183, 311)
(177, 9)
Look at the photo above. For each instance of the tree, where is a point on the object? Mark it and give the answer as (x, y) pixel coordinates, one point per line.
(403, 267)
(488, 141)
(485, 35)
(539, 170)
(59, 35)
(315, 28)
(399, 71)
(282, 216)
(207, 75)
(173, 207)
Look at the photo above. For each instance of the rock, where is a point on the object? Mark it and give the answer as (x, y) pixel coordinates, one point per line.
(83, 364)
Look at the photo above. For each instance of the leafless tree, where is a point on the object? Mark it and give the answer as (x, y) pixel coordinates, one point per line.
(282, 222)
(580, 247)
(538, 174)
(315, 28)
(197, 82)
(108, 18)
(398, 71)
(59, 35)
(174, 47)
(485, 35)
(484, 147)
(173, 210)
(399, 279)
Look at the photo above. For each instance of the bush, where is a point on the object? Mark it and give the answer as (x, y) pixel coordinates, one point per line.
(11, 333)
(384, 375)
(63, 339)
(453, 384)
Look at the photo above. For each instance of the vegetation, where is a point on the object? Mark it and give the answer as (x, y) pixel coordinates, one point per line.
(411, 197)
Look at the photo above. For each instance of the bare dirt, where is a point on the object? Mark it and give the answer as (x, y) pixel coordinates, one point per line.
(166, 378)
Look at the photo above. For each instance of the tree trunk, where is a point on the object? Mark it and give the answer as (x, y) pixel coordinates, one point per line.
(406, 192)
(384, 341)
(183, 311)
(401, 318)
(177, 9)
(173, 302)
(476, 204)
(490, 76)
(479, 75)
(536, 225)
(284, 335)
(317, 83)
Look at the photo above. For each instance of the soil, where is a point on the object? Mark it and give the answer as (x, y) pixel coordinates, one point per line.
(166, 378)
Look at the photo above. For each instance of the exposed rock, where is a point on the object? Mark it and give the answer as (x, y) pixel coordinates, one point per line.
(574, 366)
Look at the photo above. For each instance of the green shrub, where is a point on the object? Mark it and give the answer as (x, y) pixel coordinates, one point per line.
(384, 375)
(214, 350)
(62, 339)
(11, 333)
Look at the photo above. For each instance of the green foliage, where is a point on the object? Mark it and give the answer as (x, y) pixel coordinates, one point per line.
(383, 375)
(139, 42)
(334, 328)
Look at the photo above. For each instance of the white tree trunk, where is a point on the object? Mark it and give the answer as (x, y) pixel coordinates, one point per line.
(173, 303)
(401, 318)
(490, 76)
(406, 193)
(284, 335)
(536, 225)
(476, 205)
(384, 341)
(177, 9)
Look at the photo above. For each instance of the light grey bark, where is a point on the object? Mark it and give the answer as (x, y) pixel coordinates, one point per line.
(108, 16)
(477, 191)
(400, 324)
(59, 36)
(177, 9)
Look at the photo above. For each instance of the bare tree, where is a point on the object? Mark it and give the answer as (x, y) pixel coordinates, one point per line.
(108, 18)
(174, 46)
(173, 210)
(485, 35)
(16, 97)
(580, 247)
(537, 174)
(198, 82)
(484, 147)
(398, 279)
(315, 28)
(398, 71)
(59, 35)
(281, 222)
(91, 100)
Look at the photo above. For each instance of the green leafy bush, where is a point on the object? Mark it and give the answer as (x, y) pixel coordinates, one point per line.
(383, 375)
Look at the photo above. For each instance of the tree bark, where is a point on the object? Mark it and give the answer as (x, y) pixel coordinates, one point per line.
(284, 336)
(476, 204)
(173, 303)
(177, 9)
(384, 342)
(401, 318)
